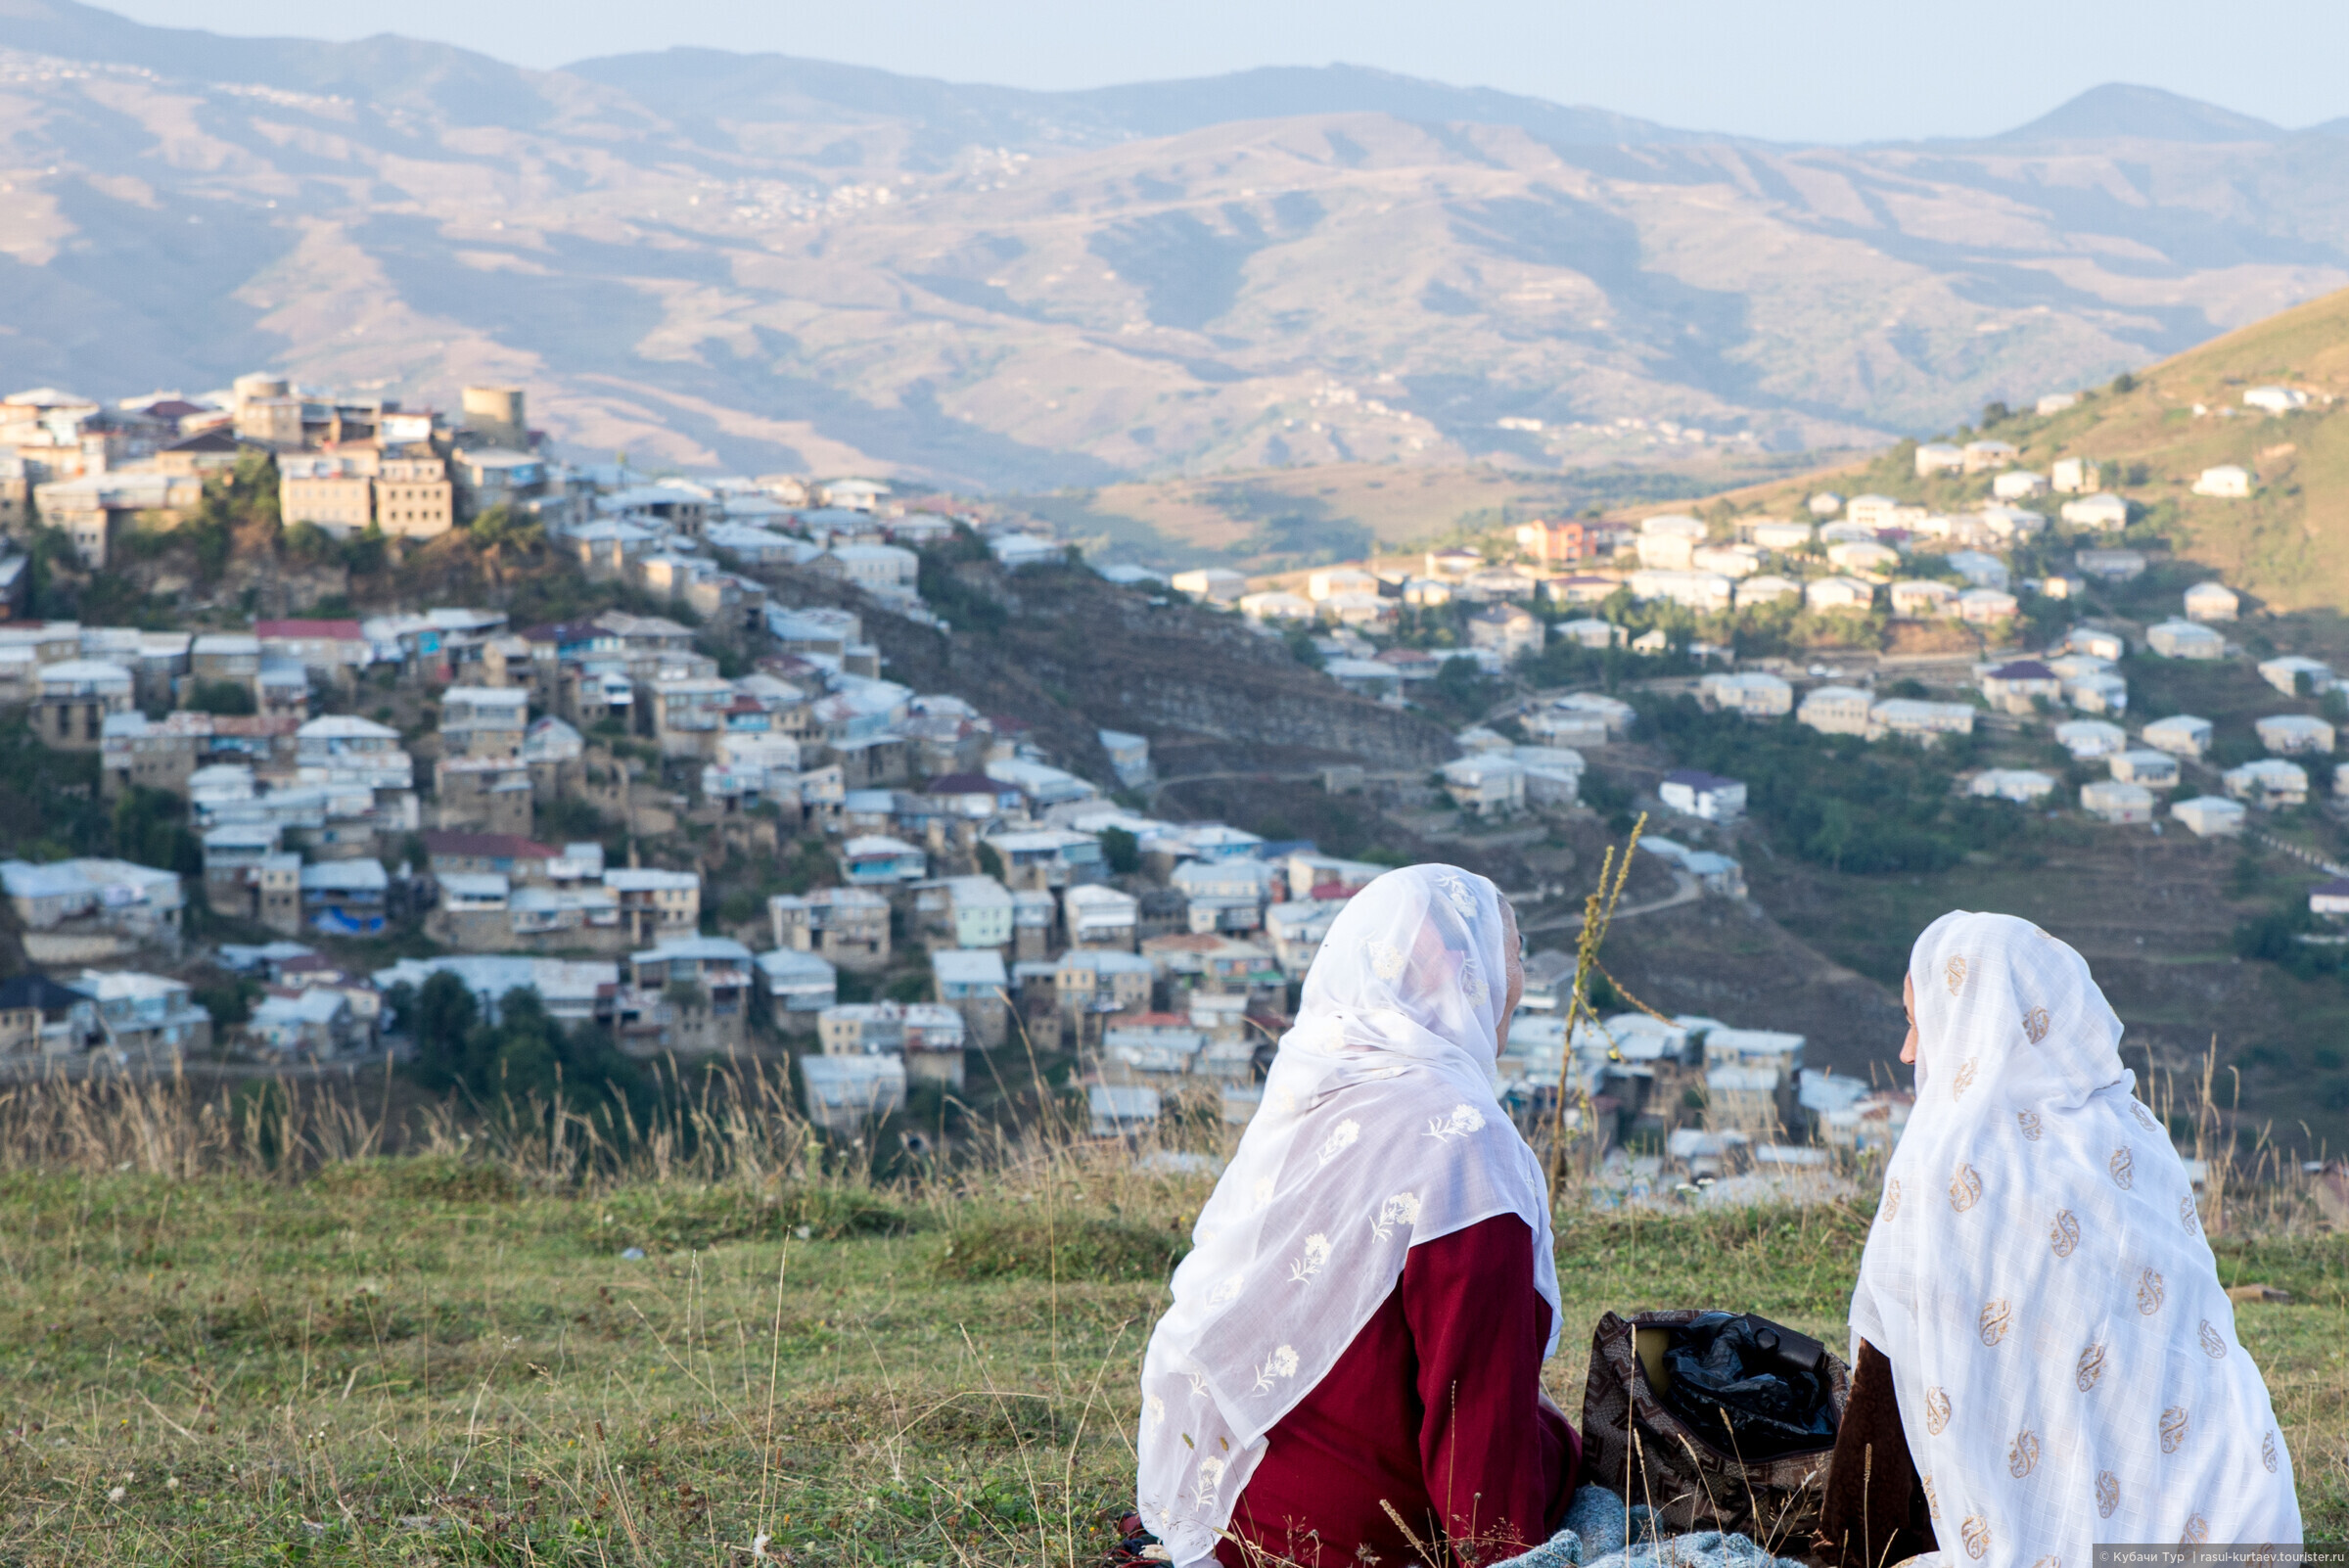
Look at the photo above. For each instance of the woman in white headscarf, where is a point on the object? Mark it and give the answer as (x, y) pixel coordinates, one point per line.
(1350, 1369)
(2063, 1355)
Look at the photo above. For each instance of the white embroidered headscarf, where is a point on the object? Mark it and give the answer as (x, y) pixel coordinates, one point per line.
(1378, 1131)
(2063, 1353)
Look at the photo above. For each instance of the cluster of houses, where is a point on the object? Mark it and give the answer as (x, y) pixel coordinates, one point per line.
(1171, 977)
(1868, 554)
(2155, 767)
(1716, 1098)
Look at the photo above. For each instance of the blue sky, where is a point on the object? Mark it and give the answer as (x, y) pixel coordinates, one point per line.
(1795, 71)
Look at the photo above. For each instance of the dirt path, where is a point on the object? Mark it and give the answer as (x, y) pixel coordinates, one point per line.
(1685, 889)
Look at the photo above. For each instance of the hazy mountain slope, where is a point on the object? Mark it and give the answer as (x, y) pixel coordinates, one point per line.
(2288, 543)
(758, 262)
(2119, 109)
(715, 89)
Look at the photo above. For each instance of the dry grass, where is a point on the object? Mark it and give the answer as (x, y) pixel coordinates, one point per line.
(243, 1336)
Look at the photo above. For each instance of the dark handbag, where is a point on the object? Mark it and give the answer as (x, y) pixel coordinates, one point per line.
(1700, 1473)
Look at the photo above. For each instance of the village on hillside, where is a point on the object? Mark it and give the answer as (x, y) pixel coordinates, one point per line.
(374, 801)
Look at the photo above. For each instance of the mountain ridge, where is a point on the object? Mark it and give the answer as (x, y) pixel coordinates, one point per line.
(758, 262)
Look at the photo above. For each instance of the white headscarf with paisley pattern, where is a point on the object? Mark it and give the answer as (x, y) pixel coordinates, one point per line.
(2064, 1354)
(1378, 1131)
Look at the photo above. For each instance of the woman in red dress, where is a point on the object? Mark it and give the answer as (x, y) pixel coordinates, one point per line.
(1351, 1368)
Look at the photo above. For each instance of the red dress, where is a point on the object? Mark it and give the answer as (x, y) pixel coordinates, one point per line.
(1434, 1408)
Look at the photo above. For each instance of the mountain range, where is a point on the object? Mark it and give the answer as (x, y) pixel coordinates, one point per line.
(755, 262)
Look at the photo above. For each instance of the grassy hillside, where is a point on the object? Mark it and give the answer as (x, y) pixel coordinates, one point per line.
(428, 1359)
(2287, 544)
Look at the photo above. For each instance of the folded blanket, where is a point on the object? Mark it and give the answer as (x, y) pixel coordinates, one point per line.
(1601, 1533)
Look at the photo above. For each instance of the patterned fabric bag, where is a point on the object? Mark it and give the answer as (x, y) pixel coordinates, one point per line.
(1634, 1444)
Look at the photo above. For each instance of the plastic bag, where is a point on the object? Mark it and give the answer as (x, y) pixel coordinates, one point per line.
(1769, 1382)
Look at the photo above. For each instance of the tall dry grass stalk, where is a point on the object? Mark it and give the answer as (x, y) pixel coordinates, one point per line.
(739, 1123)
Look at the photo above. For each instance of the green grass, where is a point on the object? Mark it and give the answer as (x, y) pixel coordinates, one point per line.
(429, 1361)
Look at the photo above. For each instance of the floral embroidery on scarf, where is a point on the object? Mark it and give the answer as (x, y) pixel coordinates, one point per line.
(1400, 1208)
(1263, 1192)
(2108, 1494)
(1965, 1189)
(2035, 1024)
(1282, 1362)
(2173, 1429)
(2029, 1121)
(1975, 1533)
(2214, 1343)
(1891, 1201)
(1341, 1138)
(2023, 1457)
(1229, 1290)
(2266, 1452)
(1155, 1410)
(2091, 1367)
(1211, 1476)
(2150, 1293)
(1386, 960)
(1937, 1410)
(2196, 1533)
(1473, 989)
(1996, 1317)
(2188, 1217)
(1932, 1499)
(2123, 1166)
(1455, 892)
(2065, 1235)
(1463, 1120)
(1316, 1253)
(1954, 974)
(1965, 1076)
(2144, 1118)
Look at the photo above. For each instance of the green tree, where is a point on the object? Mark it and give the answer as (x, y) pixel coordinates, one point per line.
(229, 698)
(526, 1057)
(442, 1016)
(151, 829)
(1121, 851)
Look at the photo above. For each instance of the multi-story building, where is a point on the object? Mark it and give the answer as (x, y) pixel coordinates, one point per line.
(847, 926)
(657, 904)
(484, 794)
(972, 982)
(98, 508)
(414, 497)
(328, 490)
(147, 1018)
(692, 996)
(75, 700)
(249, 876)
(483, 720)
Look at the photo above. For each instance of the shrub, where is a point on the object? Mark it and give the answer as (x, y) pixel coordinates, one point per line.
(1079, 1247)
(676, 1217)
(228, 698)
(420, 1178)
